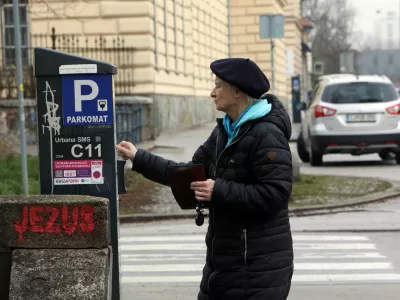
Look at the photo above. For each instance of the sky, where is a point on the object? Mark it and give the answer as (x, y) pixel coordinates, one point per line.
(366, 16)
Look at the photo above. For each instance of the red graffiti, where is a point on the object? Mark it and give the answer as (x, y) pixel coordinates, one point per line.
(45, 219)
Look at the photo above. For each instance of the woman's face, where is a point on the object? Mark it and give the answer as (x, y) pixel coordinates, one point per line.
(223, 96)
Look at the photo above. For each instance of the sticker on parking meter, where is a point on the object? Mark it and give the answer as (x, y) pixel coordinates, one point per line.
(87, 99)
(78, 160)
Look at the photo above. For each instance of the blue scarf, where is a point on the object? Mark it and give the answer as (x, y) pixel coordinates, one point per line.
(257, 110)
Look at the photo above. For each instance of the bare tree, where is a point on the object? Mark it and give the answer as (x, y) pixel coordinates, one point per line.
(333, 30)
(59, 9)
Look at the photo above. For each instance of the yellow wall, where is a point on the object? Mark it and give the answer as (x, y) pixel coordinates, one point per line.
(246, 40)
(171, 60)
(293, 32)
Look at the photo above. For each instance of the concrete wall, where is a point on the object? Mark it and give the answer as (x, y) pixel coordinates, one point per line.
(54, 247)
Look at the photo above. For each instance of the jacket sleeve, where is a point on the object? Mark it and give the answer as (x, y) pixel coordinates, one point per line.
(155, 168)
(272, 176)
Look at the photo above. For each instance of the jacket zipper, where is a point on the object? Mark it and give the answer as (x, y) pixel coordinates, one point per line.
(215, 177)
(245, 246)
(237, 140)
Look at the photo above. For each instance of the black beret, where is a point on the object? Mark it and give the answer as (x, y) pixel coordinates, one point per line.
(242, 73)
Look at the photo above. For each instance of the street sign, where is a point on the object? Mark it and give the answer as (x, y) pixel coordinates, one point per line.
(272, 26)
(86, 99)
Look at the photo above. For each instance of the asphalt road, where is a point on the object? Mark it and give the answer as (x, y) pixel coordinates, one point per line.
(370, 165)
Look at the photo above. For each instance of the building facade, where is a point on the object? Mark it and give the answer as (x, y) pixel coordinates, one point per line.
(168, 45)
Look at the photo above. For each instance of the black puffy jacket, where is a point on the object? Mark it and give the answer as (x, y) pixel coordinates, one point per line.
(249, 242)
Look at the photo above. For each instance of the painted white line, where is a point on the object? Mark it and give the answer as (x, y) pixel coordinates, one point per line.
(298, 266)
(198, 237)
(343, 266)
(296, 278)
(336, 255)
(329, 246)
(162, 247)
(346, 277)
(297, 246)
(182, 256)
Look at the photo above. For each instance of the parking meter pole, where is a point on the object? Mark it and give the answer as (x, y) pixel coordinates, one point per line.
(20, 84)
(77, 134)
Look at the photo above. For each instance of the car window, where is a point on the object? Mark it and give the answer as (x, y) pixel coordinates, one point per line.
(359, 92)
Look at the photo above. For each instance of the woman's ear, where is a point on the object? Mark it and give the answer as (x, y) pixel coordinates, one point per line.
(237, 93)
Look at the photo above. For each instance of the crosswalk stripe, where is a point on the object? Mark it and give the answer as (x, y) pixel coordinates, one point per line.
(298, 266)
(295, 279)
(198, 237)
(197, 246)
(191, 256)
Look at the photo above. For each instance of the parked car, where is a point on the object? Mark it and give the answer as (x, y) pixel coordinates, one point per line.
(351, 114)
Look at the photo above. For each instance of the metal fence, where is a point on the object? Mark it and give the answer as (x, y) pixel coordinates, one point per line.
(111, 49)
(129, 116)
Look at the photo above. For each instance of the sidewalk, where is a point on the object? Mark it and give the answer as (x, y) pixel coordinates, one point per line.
(181, 146)
(178, 146)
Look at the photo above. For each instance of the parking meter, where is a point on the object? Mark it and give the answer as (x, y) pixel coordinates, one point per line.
(77, 134)
(296, 99)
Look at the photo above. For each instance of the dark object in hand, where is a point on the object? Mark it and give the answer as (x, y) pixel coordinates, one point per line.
(181, 178)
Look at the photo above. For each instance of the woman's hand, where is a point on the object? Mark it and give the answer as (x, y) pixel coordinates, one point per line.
(203, 189)
(126, 150)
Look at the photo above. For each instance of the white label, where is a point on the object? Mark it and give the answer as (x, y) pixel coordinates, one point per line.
(70, 173)
(78, 69)
(97, 172)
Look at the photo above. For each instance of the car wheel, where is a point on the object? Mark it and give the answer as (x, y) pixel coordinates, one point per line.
(398, 158)
(385, 155)
(315, 157)
(301, 148)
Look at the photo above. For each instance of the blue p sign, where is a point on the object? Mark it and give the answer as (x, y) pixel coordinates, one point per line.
(87, 99)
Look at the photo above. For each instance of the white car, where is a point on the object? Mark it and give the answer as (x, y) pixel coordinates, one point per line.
(351, 114)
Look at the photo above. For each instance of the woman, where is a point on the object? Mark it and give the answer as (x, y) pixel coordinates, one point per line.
(248, 165)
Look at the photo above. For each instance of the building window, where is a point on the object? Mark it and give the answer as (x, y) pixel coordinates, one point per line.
(8, 33)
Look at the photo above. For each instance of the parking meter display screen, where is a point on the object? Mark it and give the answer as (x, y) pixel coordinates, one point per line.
(78, 160)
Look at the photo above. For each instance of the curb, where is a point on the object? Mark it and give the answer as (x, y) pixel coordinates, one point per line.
(314, 210)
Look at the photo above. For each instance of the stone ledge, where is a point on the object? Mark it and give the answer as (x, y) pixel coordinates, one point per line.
(57, 274)
(49, 221)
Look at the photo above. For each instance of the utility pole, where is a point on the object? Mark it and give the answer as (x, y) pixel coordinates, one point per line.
(20, 85)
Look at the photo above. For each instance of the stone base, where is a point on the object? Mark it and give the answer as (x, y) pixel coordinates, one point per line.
(57, 274)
